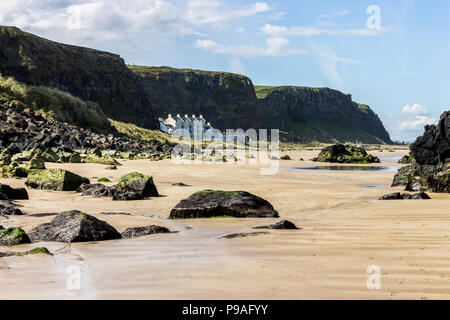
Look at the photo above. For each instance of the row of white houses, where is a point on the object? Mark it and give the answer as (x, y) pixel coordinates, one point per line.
(196, 126)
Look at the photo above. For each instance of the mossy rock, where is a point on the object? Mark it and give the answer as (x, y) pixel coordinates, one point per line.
(103, 180)
(75, 158)
(13, 236)
(54, 179)
(50, 156)
(40, 250)
(37, 162)
(138, 183)
(340, 153)
(106, 160)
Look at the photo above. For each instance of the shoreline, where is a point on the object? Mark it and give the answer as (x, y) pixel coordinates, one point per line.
(343, 233)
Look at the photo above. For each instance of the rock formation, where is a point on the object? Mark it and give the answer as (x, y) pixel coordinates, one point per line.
(211, 203)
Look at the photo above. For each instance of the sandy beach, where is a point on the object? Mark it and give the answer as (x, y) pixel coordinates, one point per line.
(344, 231)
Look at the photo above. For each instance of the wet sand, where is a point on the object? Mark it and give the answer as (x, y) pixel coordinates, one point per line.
(345, 230)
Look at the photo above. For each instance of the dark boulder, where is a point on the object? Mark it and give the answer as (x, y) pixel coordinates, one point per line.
(283, 224)
(433, 147)
(243, 235)
(405, 196)
(8, 193)
(10, 211)
(210, 203)
(13, 236)
(285, 157)
(96, 190)
(143, 231)
(74, 226)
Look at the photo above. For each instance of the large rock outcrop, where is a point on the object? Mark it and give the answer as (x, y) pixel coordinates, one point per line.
(74, 226)
(430, 168)
(340, 153)
(215, 203)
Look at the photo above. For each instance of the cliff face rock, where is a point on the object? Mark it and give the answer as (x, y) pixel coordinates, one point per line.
(226, 100)
(430, 168)
(89, 74)
(320, 114)
(433, 147)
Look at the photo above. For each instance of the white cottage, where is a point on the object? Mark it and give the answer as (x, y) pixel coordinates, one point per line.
(196, 126)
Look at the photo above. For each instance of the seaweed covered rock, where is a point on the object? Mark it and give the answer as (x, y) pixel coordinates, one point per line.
(74, 226)
(54, 179)
(37, 162)
(405, 196)
(139, 184)
(143, 231)
(340, 153)
(244, 235)
(8, 193)
(40, 250)
(213, 203)
(13, 236)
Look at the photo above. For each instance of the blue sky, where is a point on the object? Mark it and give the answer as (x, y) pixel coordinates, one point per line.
(397, 64)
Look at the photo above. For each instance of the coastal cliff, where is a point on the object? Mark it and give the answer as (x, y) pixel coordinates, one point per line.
(139, 95)
(320, 114)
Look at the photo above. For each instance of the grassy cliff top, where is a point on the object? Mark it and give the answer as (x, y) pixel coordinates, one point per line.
(148, 70)
(264, 91)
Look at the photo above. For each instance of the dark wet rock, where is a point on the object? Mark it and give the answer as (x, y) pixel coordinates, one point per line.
(143, 231)
(74, 226)
(13, 236)
(433, 147)
(180, 184)
(405, 196)
(392, 196)
(340, 153)
(8, 193)
(54, 179)
(417, 196)
(286, 157)
(138, 183)
(127, 196)
(115, 213)
(96, 190)
(211, 203)
(11, 211)
(283, 224)
(243, 235)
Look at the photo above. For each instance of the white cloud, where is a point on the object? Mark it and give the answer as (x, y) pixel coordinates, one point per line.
(275, 47)
(415, 109)
(417, 123)
(309, 31)
(205, 12)
(236, 66)
(87, 21)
